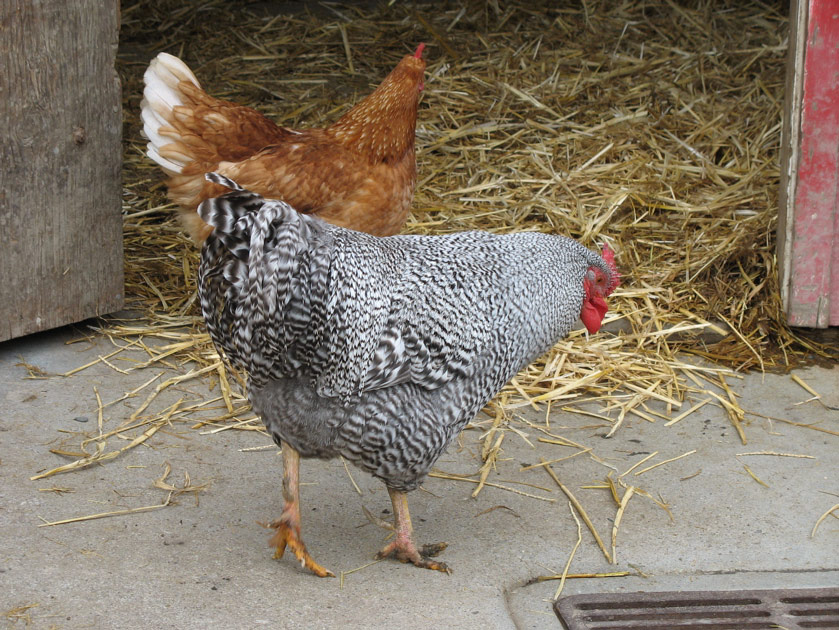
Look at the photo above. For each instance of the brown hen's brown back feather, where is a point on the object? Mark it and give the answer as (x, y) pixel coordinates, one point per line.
(359, 172)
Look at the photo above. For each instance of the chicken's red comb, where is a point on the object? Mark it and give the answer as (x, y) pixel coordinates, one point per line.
(609, 257)
(418, 53)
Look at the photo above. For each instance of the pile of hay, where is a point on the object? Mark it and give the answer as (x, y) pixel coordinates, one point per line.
(652, 126)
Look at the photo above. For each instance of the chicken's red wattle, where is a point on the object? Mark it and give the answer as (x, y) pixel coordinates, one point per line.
(594, 310)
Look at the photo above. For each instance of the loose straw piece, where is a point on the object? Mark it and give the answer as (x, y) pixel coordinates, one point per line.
(555, 461)
(666, 461)
(735, 414)
(822, 518)
(685, 414)
(755, 477)
(618, 517)
(439, 475)
(349, 474)
(363, 566)
(489, 463)
(772, 453)
(636, 464)
(801, 382)
(570, 555)
(342, 27)
(803, 425)
(91, 517)
(580, 509)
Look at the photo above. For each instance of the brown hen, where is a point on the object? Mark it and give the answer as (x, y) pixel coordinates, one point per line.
(358, 173)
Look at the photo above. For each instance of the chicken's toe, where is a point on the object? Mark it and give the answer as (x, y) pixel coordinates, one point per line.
(286, 536)
(433, 549)
(406, 551)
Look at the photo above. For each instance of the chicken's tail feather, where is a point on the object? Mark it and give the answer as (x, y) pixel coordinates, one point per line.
(160, 96)
(218, 178)
(191, 132)
(273, 258)
(223, 213)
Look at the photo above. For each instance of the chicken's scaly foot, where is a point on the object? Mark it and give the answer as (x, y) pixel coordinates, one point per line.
(288, 525)
(403, 547)
(286, 536)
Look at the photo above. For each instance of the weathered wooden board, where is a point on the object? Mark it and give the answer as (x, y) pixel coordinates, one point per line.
(60, 160)
(808, 226)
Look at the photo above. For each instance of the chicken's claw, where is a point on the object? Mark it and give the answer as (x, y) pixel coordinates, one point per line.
(287, 536)
(433, 549)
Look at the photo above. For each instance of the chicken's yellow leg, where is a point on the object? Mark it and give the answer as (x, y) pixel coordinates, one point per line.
(403, 547)
(288, 525)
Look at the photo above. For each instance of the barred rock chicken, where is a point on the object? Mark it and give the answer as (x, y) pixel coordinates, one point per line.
(380, 349)
(359, 172)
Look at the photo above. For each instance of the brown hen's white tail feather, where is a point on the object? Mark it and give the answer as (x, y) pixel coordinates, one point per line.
(160, 96)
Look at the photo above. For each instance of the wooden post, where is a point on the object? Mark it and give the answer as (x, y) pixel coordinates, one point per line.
(808, 226)
(60, 162)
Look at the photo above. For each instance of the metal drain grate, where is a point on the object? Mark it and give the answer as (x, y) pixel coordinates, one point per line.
(792, 609)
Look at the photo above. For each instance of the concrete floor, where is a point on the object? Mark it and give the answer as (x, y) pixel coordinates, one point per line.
(203, 561)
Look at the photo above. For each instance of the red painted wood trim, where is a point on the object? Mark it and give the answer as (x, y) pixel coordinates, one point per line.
(814, 282)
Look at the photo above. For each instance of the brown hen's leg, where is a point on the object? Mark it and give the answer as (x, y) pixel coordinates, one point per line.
(403, 547)
(288, 525)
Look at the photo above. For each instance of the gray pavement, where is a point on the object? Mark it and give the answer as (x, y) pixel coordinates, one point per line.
(203, 561)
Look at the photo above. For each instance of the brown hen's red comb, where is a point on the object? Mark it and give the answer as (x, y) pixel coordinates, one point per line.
(609, 257)
(418, 53)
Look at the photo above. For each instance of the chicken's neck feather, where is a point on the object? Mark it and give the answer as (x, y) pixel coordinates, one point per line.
(382, 126)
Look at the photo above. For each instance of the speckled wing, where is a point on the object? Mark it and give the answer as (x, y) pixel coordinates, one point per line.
(428, 345)
(402, 319)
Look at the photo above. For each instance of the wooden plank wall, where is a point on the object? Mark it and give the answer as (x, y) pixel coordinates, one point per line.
(60, 160)
(808, 225)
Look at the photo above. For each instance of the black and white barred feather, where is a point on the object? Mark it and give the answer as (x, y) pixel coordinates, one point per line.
(378, 349)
